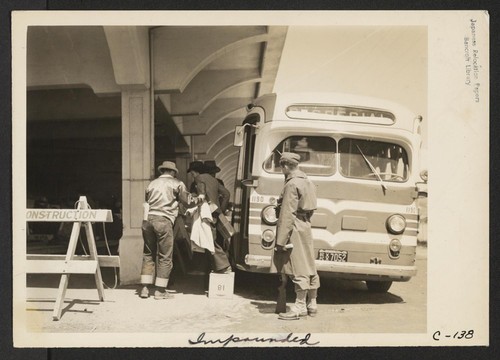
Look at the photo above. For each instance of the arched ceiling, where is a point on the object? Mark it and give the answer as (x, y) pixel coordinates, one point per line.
(204, 75)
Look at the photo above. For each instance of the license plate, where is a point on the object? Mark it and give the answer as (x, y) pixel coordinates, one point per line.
(333, 255)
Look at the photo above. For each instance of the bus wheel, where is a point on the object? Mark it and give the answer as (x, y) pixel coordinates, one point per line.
(378, 286)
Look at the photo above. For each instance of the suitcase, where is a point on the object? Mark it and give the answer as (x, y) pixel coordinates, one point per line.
(224, 227)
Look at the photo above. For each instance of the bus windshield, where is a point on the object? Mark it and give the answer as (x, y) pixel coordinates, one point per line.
(360, 159)
(317, 154)
(363, 159)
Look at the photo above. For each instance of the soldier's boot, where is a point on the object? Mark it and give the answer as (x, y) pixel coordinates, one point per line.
(312, 306)
(298, 309)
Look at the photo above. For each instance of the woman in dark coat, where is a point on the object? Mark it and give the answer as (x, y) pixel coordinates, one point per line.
(297, 204)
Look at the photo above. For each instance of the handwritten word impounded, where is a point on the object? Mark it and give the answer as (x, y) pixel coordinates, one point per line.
(235, 339)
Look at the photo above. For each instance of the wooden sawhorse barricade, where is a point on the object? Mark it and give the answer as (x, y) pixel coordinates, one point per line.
(70, 263)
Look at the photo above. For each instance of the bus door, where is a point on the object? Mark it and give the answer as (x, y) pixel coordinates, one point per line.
(245, 138)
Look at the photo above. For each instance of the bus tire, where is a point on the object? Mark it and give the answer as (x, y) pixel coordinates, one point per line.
(378, 286)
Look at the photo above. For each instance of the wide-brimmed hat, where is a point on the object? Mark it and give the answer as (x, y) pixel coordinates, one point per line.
(196, 166)
(168, 165)
(290, 157)
(211, 166)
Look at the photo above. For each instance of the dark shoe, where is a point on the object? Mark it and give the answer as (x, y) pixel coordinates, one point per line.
(227, 270)
(312, 312)
(163, 295)
(144, 292)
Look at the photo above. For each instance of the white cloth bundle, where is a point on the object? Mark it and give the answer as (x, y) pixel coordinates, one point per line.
(201, 229)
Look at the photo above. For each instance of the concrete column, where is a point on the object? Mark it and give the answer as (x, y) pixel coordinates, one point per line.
(137, 171)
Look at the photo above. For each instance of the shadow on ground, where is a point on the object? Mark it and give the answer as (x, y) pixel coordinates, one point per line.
(332, 291)
(252, 286)
(68, 305)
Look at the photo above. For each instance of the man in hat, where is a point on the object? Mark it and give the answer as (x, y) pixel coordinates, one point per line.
(297, 204)
(224, 196)
(212, 169)
(210, 190)
(162, 196)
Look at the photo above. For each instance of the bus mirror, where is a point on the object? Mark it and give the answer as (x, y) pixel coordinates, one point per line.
(238, 136)
(239, 133)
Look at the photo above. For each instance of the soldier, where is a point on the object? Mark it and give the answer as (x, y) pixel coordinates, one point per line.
(296, 206)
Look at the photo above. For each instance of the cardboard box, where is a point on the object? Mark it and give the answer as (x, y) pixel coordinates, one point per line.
(221, 286)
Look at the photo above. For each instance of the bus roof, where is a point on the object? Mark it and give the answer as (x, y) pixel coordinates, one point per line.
(337, 107)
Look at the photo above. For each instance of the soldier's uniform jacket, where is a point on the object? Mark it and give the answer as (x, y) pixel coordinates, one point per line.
(298, 202)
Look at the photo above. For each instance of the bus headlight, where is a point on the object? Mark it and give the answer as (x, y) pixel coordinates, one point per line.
(267, 239)
(396, 224)
(268, 215)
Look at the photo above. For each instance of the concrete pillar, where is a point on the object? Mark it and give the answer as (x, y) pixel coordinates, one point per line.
(137, 171)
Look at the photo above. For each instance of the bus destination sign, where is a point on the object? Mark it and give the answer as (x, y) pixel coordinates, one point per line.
(327, 112)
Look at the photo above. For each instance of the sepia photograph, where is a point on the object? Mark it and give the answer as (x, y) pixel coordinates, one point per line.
(250, 179)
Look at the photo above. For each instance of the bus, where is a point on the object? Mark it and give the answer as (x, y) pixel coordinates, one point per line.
(362, 154)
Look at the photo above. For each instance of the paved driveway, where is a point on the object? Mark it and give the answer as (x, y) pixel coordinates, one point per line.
(344, 307)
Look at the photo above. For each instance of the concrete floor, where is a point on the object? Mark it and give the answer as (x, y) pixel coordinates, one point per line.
(344, 307)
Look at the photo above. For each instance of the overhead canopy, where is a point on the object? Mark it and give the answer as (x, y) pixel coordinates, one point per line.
(203, 75)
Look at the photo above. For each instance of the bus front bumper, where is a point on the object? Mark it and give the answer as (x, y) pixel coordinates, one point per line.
(345, 270)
